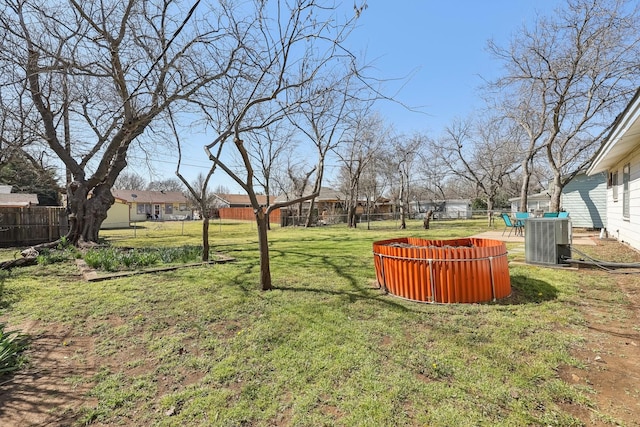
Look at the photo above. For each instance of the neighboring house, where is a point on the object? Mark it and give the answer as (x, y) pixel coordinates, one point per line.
(117, 215)
(154, 205)
(333, 202)
(16, 200)
(619, 158)
(450, 208)
(584, 197)
(538, 202)
(238, 207)
(329, 201)
(237, 200)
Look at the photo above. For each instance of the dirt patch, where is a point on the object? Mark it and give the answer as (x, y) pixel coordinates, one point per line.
(54, 385)
(610, 353)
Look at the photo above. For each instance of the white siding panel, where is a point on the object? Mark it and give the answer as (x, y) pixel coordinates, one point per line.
(626, 230)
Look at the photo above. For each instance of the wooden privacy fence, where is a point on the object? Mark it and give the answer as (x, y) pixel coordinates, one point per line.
(246, 214)
(31, 225)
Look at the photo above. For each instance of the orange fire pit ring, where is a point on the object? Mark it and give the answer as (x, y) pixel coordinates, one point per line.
(465, 270)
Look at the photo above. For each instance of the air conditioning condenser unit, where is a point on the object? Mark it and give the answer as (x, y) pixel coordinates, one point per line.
(547, 240)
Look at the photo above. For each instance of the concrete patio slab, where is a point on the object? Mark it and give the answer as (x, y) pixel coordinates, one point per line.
(578, 238)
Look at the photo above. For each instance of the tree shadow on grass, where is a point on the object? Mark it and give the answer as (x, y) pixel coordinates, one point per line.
(524, 289)
(352, 296)
(310, 261)
(357, 291)
(527, 290)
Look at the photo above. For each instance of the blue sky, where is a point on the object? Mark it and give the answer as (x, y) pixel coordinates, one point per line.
(440, 43)
(443, 44)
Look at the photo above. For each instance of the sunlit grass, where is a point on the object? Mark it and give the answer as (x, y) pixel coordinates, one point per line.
(325, 347)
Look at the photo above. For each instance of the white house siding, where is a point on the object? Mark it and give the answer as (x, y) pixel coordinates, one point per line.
(169, 205)
(535, 202)
(452, 208)
(585, 198)
(117, 216)
(458, 209)
(174, 213)
(625, 229)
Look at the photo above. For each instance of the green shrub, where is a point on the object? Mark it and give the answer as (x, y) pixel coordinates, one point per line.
(47, 256)
(64, 243)
(64, 251)
(182, 254)
(104, 259)
(113, 259)
(12, 343)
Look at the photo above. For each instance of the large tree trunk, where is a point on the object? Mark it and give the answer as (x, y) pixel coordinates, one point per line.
(524, 189)
(86, 214)
(351, 216)
(205, 238)
(298, 220)
(489, 211)
(403, 217)
(263, 240)
(309, 220)
(554, 203)
(403, 210)
(368, 215)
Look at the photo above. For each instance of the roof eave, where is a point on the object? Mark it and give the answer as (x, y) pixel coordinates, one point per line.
(605, 159)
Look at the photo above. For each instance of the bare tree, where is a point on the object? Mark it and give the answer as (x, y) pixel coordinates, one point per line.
(23, 163)
(15, 134)
(221, 189)
(169, 184)
(526, 116)
(284, 50)
(198, 190)
(322, 118)
(373, 183)
(98, 75)
(403, 156)
(130, 181)
(361, 143)
(204, 199)
(568, 77)
(299, 178)
(482, 155)
(268, 148)
(433, 173)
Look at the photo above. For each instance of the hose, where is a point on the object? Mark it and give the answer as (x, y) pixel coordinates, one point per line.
(605, 265)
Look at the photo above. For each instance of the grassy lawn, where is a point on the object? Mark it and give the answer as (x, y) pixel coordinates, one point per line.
(203, 346)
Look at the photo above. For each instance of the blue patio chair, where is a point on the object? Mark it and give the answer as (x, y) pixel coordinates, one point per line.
(550, 215)
(563, 214)
(520, 217)
(511, 225)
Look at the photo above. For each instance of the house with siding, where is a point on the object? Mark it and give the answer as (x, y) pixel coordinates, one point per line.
(237, 200)
(16, 200)
(238, 207)
(537, 202)
(154, 205)
(442, 209)
(585, 198)
(333, 202)
(619, 159)
(117, 215)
